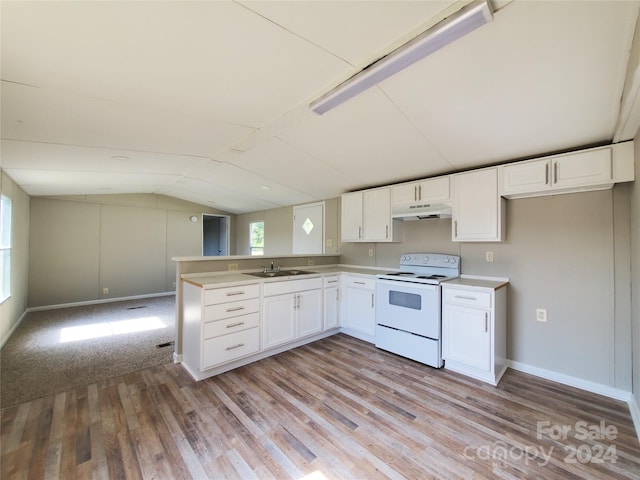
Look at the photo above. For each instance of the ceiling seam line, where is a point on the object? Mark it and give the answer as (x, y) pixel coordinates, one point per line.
(397, 107)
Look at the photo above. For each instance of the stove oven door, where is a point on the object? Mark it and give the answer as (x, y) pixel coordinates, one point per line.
(411, 307)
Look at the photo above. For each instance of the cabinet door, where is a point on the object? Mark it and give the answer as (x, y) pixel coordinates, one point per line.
(359, 310)
(477, 207)
(582, 169)
(434, 190)
(405, 194)
(310, 319)
(529, 177)
(426, 191)
(351, 225)
(331, 308)
(377, 214)
(466, 336)
(278, 320)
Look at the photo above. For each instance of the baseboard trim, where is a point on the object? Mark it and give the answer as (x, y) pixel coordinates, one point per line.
(13, 329)
(593, 387)
(572, 381)
(635, 415)
(98, 301)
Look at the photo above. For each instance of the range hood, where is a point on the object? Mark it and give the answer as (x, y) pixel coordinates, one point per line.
(423, 211)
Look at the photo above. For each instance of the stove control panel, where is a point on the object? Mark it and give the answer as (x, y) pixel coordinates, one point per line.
(429, 259)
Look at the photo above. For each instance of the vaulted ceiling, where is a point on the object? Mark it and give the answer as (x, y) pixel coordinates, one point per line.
(208, 101)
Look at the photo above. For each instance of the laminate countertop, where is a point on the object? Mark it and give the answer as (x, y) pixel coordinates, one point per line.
(223, 279)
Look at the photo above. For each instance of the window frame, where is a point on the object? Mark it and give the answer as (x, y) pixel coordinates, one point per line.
(255, 250)
(6, 246)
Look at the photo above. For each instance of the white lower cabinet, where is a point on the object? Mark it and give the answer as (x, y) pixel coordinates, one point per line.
(331, 302)
(291, 309)
(220, 325)
(358, 315)
(474, 330)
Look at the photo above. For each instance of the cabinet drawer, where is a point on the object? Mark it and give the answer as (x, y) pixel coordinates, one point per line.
(331, 281)
(231, 294)
(467, 297)
(290, 286)
(230, 325)
(360, 282)
(229, 347)
(231, 309)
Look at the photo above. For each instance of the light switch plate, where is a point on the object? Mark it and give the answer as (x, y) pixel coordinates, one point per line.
(541, 314)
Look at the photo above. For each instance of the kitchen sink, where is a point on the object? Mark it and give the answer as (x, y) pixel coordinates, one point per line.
(279, 273)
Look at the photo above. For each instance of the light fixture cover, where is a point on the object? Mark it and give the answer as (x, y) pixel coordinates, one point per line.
(193, 218)
(443, 33)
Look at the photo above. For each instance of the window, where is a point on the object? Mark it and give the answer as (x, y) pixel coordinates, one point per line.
(256, 238)
(5, 248)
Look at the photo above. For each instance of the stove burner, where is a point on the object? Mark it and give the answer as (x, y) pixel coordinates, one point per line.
(400, 274)
(432, 277)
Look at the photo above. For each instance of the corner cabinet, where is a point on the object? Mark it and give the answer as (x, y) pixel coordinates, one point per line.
(477, 207)
(592, 169)
(291, 309)
(366, 217)
(474, 337)
(220, 325)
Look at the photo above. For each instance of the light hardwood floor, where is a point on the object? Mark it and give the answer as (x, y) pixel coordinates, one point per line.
(337, 408)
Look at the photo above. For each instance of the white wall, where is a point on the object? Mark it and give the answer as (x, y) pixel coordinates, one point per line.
(12, 309)
(635, 273)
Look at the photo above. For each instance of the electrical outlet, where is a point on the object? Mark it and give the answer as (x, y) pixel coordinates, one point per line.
(311, 262)
(488, 256)
(371, 252)
(174, 284)
(233, 266)
(105, 291)
(541, 314)
(329, 242)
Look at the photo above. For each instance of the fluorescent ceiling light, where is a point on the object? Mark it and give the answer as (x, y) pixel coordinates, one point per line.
(443, 33)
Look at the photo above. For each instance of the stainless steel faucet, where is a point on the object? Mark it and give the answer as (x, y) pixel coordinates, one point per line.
(272, 269)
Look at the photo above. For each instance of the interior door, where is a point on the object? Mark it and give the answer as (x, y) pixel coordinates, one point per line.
(215, 235)
(308, 229)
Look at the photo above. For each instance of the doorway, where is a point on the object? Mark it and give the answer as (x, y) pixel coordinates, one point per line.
(215, 235)
(308, 228)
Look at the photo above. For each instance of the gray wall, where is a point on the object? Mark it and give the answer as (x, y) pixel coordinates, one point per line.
(635, 273)
(14, 307)
(278, 229)
(567, 253)
(80, 245)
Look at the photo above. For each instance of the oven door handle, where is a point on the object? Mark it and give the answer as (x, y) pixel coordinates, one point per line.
(402, 285)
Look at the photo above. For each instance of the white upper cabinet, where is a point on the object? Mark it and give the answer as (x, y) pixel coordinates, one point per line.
(477, 207)
(352, 206)
(366, 216)
(426, 191)
(592, 169)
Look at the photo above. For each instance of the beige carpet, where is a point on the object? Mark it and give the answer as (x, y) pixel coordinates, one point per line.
(56, 350)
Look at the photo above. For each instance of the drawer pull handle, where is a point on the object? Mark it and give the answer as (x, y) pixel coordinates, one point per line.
(231, 294)
(234, 309)
(462, 297)
(360, 283)
(237, 324)
(235, 346)
(332, 281)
